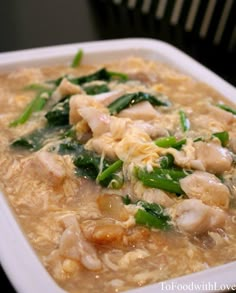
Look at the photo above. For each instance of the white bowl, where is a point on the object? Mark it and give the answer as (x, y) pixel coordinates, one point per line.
(17, 257)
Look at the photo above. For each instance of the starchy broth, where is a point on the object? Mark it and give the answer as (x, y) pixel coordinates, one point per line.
(114, 197)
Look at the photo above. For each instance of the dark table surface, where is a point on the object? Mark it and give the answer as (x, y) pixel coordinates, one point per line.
(28, 24)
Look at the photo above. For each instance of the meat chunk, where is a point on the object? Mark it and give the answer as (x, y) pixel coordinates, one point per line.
(98, 121)
(64, 89)
(142, 111)
(75, 103)
(109, 97)
(79, 102)
(152, 128)
(210, 157)
(214, 158)
(152, 195)
(48, 167)
(207, 187)
(193, 216)
(74, 246)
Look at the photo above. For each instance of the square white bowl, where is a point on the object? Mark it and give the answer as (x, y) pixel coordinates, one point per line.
(17, 257)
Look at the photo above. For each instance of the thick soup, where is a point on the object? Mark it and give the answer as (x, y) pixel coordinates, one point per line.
(122, 174)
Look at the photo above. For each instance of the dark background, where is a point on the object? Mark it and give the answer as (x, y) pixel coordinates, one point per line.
(29, 23)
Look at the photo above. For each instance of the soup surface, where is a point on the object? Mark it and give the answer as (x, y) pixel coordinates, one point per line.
(122, 174)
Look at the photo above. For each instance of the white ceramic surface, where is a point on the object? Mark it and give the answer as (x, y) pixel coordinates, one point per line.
(17, 257)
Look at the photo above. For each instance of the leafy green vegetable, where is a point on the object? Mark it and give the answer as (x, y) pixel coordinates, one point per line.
(44, 92)
(59, 114)
(223, 137)
(178, 145)
(198, 139)
(184, 121)
(36, 105)
(227, 108)
(129, 100)
(38, 138)
(153, 208)
(174, 174)
(118, 75)
(126, 199)
(166, 161)
(96, 89)
(88, 164)
(145, 218)
(101, 74)
(70, 133)
(162, 183)
(165, 179)
(116, 181)
(170, 141)
(77, 59)
(37, 87)
(165, 142)
(108, 175)
(110, 170)
(70, 147)
(153, 215)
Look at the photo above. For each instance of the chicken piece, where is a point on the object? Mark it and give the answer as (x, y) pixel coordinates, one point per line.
(64, 89)
(158, 196)
(83, 132)
(152, 128)
(210, 157)
(74, 116)
(207, 187)
(48, 167)
(98, 121)
(80, 101)
(74, 246)
(214, 158)
(109, 97)
(152, 195)
(141, 111)
(193, 216)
